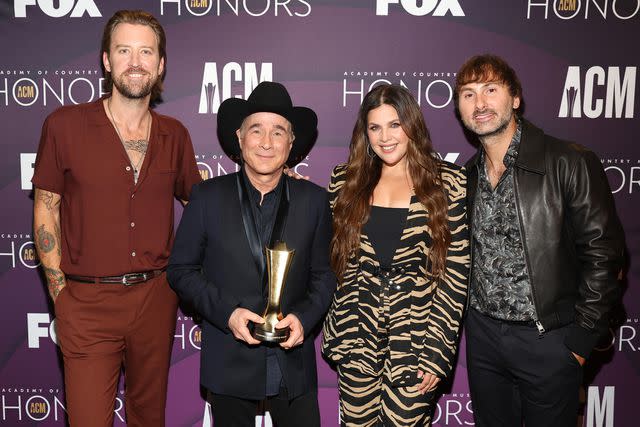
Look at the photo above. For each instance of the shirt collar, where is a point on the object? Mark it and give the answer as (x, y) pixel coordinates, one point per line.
(512, 152)
(97, 116)
(255, 194)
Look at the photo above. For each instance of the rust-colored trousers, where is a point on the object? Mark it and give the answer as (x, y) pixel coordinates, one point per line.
(104, 327)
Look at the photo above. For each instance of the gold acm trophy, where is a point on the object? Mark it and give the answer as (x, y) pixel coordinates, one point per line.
(278, 262)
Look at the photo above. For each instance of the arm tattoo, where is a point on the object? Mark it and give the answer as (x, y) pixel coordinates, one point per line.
(55, 280)
(45, 240)
(47, 198)
(58, 238)
(139, 145)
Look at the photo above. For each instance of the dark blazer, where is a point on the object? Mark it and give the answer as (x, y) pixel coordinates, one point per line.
(573, 240)
(212, 268)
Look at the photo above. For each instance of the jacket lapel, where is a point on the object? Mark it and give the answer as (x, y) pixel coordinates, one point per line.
(531, 153)
(249, 224)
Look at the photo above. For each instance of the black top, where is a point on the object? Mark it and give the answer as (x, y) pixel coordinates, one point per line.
(264, 216)
(384, 229)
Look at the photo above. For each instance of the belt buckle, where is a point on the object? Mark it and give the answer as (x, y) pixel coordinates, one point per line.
(127, 279)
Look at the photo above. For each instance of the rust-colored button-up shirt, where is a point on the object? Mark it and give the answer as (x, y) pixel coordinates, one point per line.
(109, 225)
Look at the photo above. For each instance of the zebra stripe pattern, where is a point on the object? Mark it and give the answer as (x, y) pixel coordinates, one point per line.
(425, 315)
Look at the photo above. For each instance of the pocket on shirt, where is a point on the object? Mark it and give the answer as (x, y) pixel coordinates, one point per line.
(161, 180)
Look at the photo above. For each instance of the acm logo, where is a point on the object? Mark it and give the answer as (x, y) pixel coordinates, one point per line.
(261, 420)
(600, 92)
(25, 252)
(187, 335)
(31, 405)
(299, 8)
(24, 405)
(217, 86)
(422, 8)
(600, 407)
(40, 325)
(48, 88)
(77, 8)
(570, 9)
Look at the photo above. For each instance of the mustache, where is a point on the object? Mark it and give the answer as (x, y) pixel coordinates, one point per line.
(136, 70)
(480, 112)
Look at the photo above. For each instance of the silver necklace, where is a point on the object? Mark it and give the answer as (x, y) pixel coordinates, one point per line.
(136, 167)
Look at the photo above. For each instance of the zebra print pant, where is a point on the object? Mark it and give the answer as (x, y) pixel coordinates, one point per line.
(373, 402)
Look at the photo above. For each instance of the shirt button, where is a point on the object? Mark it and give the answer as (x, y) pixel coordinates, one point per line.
(128, 168)
(133, 253)
(398, 287)
(133, 195)
(133, 224)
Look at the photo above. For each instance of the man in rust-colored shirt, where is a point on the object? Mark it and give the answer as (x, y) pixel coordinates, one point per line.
(106, 177)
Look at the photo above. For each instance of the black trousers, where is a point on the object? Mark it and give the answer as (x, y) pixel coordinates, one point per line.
(231, 411)
(517, 375)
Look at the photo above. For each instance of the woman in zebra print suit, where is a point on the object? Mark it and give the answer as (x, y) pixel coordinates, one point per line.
(401, 252)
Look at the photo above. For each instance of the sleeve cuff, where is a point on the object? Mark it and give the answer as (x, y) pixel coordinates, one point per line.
(580, 340)
(304, 321)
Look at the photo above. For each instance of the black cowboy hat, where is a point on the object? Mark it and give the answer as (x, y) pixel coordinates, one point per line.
(267, 97)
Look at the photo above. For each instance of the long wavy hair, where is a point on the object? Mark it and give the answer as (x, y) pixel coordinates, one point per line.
(353, 203)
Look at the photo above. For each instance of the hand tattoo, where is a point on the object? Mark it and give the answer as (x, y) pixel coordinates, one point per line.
(139, 145)
(44, 240)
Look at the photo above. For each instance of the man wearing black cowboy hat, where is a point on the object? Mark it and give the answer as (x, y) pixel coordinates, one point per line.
(218, 264)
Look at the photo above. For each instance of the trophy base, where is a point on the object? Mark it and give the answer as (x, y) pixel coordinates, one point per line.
(277, 335)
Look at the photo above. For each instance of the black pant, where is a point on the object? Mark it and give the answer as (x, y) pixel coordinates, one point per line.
(517, 375)
(236, 412)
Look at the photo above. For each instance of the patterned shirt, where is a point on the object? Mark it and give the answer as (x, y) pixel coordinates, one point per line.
(500, 284)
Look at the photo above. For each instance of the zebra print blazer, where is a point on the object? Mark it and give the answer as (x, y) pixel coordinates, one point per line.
(425, 313)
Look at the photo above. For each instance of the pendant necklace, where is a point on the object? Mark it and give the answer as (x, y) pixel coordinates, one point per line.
(136, 167)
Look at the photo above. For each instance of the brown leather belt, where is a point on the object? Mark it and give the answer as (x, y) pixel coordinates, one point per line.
(126, 279)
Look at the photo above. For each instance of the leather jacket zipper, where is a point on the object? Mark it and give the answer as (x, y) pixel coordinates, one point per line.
(541, 329)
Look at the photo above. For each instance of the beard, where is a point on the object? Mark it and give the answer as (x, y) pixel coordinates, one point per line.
(134, 91)
(484, 132)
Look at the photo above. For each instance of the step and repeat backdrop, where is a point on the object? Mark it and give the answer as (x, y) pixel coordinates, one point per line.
(577, 60)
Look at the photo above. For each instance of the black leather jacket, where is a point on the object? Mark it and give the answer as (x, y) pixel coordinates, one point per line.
(573, 239)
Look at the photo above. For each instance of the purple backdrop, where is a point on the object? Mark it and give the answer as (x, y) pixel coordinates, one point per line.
(577, 60)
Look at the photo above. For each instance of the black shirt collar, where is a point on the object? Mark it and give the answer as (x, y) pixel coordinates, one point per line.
(255, 194)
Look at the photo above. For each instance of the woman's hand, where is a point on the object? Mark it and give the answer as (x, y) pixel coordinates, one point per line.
(291, 173)
(429, 382)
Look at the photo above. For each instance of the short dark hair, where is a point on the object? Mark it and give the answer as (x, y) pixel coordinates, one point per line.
(485, 68)
(137, 17)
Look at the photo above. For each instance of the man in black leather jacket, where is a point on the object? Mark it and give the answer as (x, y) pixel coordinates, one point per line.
(547, 248)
